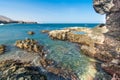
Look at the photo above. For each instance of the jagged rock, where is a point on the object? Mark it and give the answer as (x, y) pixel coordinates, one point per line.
(58, 34)
(112, 10)
(88, 41)
(31, 33)
(112, 40)
(16, 70)
(30, 45)
(91, 36)
(2, 49)
(103, 6)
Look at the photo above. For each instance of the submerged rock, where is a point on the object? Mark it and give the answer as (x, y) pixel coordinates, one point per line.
(2, 49)
(31, 33)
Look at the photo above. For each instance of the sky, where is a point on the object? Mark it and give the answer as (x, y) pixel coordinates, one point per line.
(51, 11)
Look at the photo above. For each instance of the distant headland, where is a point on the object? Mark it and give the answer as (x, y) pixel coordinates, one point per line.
(6, 20)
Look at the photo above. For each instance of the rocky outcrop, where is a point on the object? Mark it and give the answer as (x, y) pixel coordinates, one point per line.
(30, 45)
(88, 41)
(45, 69)
(17, 70)
(93, 43)
(6, 20)
(112, 10)
(2, 49)
(112, 38)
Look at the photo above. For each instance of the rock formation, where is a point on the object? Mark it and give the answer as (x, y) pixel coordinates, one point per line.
(101, 43)
(88, 41)
(112, 10)
(16, 70)
(112, 39)
(41, 61)
(30, 45)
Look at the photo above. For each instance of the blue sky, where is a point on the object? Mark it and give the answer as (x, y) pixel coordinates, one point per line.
(51, 11)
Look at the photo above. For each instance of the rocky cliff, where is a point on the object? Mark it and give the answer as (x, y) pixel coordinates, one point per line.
(6, 20)
(112, 10)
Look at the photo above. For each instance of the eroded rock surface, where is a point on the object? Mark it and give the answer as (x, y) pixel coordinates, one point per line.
(93, 42)
(49, 66)
(89, 41)
(112, 10)
(112, 38)
(16, 70)
(30, 45)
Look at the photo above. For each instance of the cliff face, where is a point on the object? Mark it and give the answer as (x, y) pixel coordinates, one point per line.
(6, 20)
(112, 42)
(112, 10)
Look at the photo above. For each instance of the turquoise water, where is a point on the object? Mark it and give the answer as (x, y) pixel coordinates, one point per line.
(76, 32)
(66, 53)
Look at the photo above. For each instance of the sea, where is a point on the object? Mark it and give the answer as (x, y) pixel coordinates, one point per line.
(66, 53)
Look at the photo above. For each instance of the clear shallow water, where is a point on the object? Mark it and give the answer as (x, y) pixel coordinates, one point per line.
(66, 53)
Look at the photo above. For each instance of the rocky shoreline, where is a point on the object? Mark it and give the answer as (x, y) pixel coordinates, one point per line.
(94, 44)
(98, 43)
(101, 43)
(39, 69)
